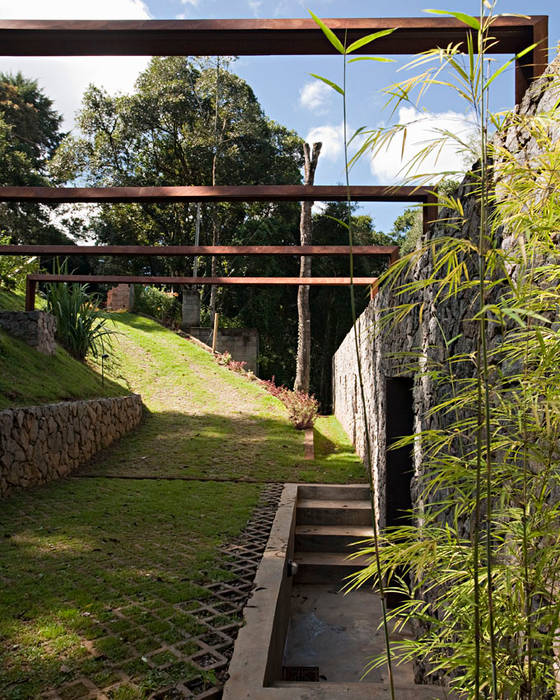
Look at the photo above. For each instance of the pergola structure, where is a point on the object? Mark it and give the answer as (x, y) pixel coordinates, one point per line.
(245, 37)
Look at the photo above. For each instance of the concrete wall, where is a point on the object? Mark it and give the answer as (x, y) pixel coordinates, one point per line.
(36, 328)
(42, 443)
(241, 343)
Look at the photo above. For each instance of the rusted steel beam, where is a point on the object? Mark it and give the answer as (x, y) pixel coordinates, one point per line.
(178, 250)
(244, 37)
(233, 193)
(30, 292)
(430, 211)
(218, 281)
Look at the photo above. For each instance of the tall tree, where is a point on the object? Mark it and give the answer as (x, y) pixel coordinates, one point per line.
(303, 357)
(30, 131)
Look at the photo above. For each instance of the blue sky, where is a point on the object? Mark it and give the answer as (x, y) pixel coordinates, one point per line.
(283, 85)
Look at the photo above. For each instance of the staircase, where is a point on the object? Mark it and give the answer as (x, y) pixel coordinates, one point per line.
(329, 519)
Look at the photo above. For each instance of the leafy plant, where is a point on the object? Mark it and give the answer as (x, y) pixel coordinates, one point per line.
(80, 326)
(161, 305)
(14, 269)
(478, 569)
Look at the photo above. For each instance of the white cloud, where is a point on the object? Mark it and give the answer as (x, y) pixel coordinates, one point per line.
(423, 128)
(332, 138)
(64, 79)
(194, 3)
(315, 96)
(255, 6)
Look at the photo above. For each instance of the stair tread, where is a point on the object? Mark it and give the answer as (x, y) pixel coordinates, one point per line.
(358, 531)
(341, 505)
(329, 559)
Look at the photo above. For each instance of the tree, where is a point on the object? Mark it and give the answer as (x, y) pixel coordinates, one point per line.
(303, 357)
(30, 131)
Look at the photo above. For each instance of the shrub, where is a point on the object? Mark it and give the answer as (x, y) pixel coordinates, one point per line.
(81, 328)
(161, 305)
(302, 408)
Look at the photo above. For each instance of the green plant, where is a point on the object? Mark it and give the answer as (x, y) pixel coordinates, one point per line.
(80, 326)
(14, 269)
(158, 304)
(482, 557)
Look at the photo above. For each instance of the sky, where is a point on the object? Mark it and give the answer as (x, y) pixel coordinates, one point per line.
(284, 85)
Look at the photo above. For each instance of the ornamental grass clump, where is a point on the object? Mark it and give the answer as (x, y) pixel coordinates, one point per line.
(80, 327)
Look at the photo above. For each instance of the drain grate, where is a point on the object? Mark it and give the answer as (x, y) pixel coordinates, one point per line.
(306, 674)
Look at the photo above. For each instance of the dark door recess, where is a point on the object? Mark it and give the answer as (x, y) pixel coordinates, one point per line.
(399, 422)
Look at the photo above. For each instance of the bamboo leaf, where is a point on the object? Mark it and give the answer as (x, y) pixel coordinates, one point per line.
(329, 83)
(507, 64)
(378, 59)
(331, 36)
(368, 39)
(461, 16)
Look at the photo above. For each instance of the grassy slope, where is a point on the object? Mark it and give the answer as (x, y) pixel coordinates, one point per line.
(98, 575)
(206, 421)
(28, 377)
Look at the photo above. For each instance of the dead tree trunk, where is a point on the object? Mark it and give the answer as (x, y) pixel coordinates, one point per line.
(303, 358)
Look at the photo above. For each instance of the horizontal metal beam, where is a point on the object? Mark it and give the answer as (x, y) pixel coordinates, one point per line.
(233, 193)
(216, 281)
(180, 250)
(244, 37)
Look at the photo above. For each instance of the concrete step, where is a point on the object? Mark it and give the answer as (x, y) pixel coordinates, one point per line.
(334, 492)
(330, 538)
(321, 512)
(326, 567)
(359, 691)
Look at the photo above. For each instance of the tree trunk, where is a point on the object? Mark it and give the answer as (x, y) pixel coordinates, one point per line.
(303, 358)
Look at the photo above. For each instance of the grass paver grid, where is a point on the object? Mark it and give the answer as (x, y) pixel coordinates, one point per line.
(147, 617)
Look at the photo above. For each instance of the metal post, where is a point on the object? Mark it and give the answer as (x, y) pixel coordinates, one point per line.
(30, 290)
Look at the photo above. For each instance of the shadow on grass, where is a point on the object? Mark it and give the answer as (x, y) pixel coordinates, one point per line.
(247, 448)
(99, 575)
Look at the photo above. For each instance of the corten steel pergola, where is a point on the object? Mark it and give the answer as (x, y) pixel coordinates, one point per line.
(244, 37)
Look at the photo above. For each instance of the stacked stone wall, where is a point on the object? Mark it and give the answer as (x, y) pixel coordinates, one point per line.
(390, 354)
(42, 443)
(36, 328)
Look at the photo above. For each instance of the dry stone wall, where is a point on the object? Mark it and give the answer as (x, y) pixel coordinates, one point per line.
(36, 328)
(42, 443)
(388, 354)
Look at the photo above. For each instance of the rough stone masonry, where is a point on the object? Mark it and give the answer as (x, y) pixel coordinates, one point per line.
(42, 443)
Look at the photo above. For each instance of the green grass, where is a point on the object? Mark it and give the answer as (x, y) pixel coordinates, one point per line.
(99, 576)
(14, 300)
(95, 585)
(207, 421)
(28, 377)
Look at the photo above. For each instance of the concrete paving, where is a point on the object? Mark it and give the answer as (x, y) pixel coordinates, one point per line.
(339, 634)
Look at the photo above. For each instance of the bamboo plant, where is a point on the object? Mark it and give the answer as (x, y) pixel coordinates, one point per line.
(482, 556)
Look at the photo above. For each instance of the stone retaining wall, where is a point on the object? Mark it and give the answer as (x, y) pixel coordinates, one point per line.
(42, 443)
(36, 328)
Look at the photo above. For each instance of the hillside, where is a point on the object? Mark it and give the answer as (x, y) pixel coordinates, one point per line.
(28, 377)
(205, 421)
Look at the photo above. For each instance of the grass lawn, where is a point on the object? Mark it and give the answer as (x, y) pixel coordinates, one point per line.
(99, 577)
(207, 421)
(101, 580)
(28, 377)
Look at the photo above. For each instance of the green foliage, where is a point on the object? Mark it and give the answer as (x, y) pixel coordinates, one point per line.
(158, 304)
(14, 269)
(80, 327)
(482, 556)
(29, 135)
